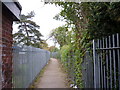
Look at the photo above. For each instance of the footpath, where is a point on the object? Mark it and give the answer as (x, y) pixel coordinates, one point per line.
(53, 76)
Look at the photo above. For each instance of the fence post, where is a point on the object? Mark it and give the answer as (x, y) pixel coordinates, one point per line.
(118, 51)
(95, 86)
(96, 67)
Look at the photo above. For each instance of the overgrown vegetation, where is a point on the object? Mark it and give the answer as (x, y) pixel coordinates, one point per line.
(85, 21)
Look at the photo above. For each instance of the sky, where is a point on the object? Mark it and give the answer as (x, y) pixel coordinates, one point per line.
(43, 16)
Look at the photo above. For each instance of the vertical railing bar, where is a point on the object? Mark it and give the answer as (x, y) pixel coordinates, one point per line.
(22, 76)
(98, 46)
(101, 64)
(14, 67)
(19, 58)
(118, 51)
(107, 63)
(94, 58)
(114, 61)
(104, 63)
(110, 63)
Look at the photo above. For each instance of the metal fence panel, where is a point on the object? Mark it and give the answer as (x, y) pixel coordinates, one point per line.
(107, 51)
(27, 63)
(87, 71)
(106, 63)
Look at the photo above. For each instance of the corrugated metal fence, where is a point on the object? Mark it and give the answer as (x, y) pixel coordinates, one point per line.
(27, 63)
(104, 69)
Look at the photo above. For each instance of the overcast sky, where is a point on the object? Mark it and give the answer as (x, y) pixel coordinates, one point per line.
(44, 16)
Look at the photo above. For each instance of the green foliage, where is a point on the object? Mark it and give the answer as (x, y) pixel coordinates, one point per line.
(103, 18)
(61, 35)
(70, 57)
(28, 33)
(64, 54)
(99, 18)
(53, 49)
(87, 21)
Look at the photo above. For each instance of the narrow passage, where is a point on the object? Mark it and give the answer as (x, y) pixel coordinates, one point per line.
(53, 76)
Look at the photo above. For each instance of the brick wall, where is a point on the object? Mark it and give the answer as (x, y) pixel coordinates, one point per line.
(0, 45)
(7, 48)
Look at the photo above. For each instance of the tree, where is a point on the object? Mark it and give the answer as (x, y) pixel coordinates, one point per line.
(44, 45)
(88, 20)
(61, 35)
(97, 18)
(28, 33)
(104, 18)
(53, 49)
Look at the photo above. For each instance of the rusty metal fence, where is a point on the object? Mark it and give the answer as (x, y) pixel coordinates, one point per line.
(27, 64)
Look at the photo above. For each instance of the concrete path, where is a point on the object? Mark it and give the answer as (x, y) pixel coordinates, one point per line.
(53, 76)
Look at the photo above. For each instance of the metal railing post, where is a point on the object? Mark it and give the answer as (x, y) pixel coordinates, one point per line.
(94, 58)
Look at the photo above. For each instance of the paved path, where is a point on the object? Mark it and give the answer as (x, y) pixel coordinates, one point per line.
(53, 76)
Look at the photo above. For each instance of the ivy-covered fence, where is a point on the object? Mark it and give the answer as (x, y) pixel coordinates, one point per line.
(27, 64)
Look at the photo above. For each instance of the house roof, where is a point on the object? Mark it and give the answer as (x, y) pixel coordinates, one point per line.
(14, 7)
